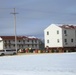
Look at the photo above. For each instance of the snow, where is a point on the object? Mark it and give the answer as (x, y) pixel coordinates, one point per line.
(39, 64)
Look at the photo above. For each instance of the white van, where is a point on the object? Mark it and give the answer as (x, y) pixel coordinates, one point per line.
(8, 52)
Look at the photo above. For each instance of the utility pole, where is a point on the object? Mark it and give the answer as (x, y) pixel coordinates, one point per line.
(14, 13)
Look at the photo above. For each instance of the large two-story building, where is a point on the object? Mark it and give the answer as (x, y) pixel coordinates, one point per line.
(8, 42)
(60, 37)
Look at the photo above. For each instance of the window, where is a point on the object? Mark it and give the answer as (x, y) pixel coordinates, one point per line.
(14, 45)
(57, 40)
(36, 41)
(11, 50)
(9, 41)
(5, 41)
(32, 41)
(19, 40)
(1, 50)
(71, 40)
(47, 41)
(65, 32)
(5, 46)
(23, 40)
(57, 32)
(28, 40)
(28, 45)
(65, 40)
(47, 33)
(35, 45)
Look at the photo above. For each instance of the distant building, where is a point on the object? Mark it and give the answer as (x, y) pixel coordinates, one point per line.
(8, 42)
(60, 38)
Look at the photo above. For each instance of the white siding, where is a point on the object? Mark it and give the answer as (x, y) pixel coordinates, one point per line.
(53, 36)
(1, 44)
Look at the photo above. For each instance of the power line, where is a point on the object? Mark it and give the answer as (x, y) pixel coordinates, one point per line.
(32, 10)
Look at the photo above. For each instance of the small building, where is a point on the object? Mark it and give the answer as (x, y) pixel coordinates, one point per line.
(60, 38)
(23, 42)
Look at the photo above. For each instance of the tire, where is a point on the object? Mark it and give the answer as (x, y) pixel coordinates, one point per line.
(14, 53)
(2, 54)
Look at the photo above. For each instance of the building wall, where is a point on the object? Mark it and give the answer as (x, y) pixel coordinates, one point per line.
(70, 34)
(53, 37)
(21, 43)
(1, 44)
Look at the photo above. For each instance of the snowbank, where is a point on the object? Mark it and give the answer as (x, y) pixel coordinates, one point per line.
(42, 64)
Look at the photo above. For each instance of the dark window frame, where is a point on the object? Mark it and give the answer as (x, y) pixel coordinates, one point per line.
(57, 31)
(47, 32)
(47, 41)
(58, 40)
(72, 40)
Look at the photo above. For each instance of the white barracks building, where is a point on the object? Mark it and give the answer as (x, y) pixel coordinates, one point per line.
(60, 38)
(8, 42)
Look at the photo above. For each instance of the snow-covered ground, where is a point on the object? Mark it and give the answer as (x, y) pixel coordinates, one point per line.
(39, 64)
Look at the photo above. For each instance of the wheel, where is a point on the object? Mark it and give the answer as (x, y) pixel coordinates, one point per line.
(2, 54)
(14, 53)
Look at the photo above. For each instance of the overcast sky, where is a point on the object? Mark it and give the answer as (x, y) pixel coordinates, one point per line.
(35, 15)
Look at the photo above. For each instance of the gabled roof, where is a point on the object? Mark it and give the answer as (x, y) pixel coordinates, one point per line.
(51, 26)
(65, 26)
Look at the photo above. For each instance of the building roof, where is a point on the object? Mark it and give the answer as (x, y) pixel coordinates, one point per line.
(68, 26)
(18, 37)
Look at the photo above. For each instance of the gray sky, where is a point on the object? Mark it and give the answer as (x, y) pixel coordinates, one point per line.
(35, 15)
